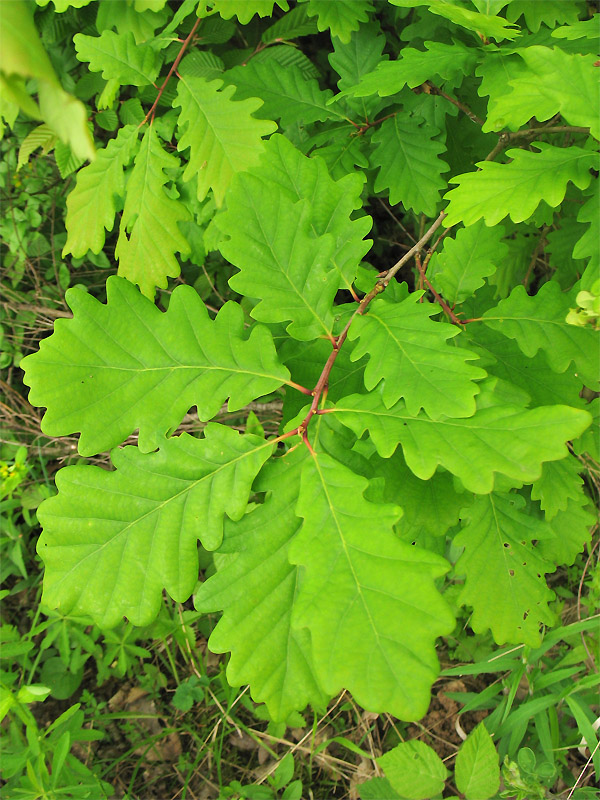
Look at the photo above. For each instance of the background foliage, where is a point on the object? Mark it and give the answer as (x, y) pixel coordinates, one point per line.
(411, 423)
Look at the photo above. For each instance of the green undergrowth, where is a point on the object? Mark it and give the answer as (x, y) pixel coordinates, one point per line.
(300, 459)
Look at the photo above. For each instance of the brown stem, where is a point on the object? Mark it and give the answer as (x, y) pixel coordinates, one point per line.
(465, 109)
(182, 50)
(414, 249)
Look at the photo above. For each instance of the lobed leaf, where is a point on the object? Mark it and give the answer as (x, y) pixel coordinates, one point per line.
(118, 57)
(518, 188)
(539, 323)
(125, 365)
(288, 95)
(223, 136)
(257, 592)
(91, 205)
(505, 439)
(411, 354)
(407, 158)
(112, 541)
(280, 261)
(554, 82)
(244, 10)
(489, 25)
(368, 599)
(465, 261)
(150, 217)
(500, 560)
(557, 485)
(342, 17)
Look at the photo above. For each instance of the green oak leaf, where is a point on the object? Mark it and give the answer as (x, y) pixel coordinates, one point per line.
(223, 136)
(342, 17)
(126, 365)
(500, 561)
(506, 439)
(147, 255)
(271, 241)
(571, 531)
(411, 354)
(112, 540)
(285, 171)
(118, 57)
(554, 82)
(518, 188)
(476, 772)
(489, 25)
(257, 592)
(286, 93)
(412, 68)
(465, 261)
(407, 158)
(588, 246)
(244, 10)
(356, 58)
(559, 482)
(550, 12)
(539, 323)
(91, 205)
(368, 599)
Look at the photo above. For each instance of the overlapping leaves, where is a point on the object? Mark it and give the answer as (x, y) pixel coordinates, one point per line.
(125, 365)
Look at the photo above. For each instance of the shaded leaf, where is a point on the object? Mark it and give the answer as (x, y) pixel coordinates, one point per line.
(158, 364)
(341, 17)
(491, 26)
(113, 540)
(500, 560)
(558, 483)
(539, 322)
(506, 439)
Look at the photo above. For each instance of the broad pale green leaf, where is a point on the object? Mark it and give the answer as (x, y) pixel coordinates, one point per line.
(407, 157)
(60, 6)
(126, 365)
(281, 262)
(490, 26)
(465, 261)
(414, 67)
(112, 540)
(518, 188)
(91, 206)
(411, 354)
(342, 17)
(554, 82)
(149, 235)
(244, 10)
(500, 561)
(118, 57)
(223, 136)
(414, 770)
(570, 531)
(559, 482)
(550, 12)
(257, 592)
(286, 93)
(284, 169)
(21, 51)
(539, 322)
(368, 599)
(590, 441)
(506, 439)
(578, 29)
(67, 117)
(377, 789)
(476, 772)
